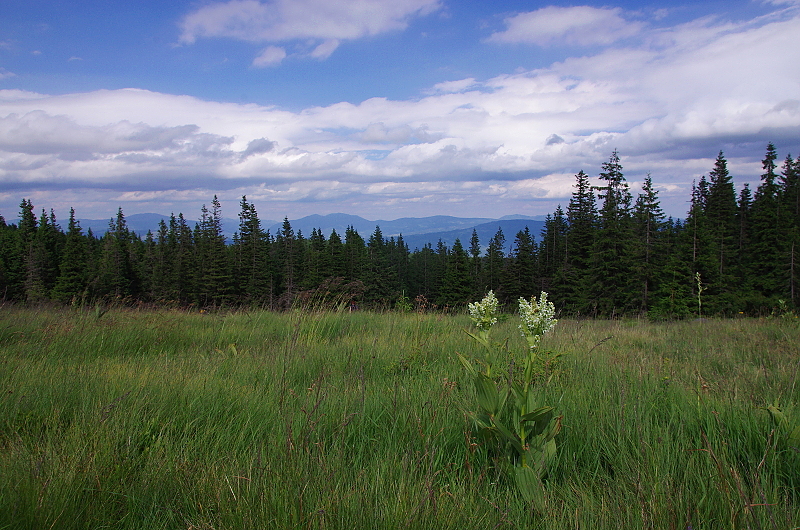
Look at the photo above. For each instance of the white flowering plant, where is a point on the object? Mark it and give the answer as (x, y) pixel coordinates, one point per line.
(537, 318)
(484, 315)
(509, 416)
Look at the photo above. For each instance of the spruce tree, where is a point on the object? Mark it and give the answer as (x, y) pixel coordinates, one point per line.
(520, 280)
(675, 296)
(456, 285)
(159, 263)
(421, 272)
(14, 241)
(336, 256)
(378, 277)
(581, 233)
(767, 249)
(475, 264)
(649, 224)
(611, 287)
(116, 275)
(552, 254)
(32, 252)
(212, 280)
(790, 210)
(317, 262)
(399, 262)
(494, 263)
(698, 242)
(742, 261)
(720, 213)
(439, 267)
(180, 267)
(43, 259)
(285, 254)
(354, 254)
(72, 280)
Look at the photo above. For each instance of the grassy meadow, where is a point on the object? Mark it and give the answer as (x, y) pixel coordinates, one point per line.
(322, 420)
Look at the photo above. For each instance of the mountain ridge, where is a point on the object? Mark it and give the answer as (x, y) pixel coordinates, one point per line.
(416, 231)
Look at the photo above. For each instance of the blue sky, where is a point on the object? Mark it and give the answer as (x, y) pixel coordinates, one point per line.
(384, 108)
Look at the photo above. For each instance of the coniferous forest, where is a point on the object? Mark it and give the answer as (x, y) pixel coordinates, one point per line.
(609, 254)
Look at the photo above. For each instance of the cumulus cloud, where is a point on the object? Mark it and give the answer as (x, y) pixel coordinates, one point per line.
(324, 50)
(270, 56)
(291, 20)
(668, 103)
(453, 86)
(380, 133)
(37, 132)
(579, 25)
(259, 146)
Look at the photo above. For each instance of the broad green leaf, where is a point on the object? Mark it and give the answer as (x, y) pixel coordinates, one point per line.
(540, 418)
(794, 437)
(480, 340)
(501, 402)
(484, 421)
(530, 486)
(536, 413)
(555, 429)
(778, 416)
(519, 393)
(467, 364)
(486, 392)
(513, 440)
(550, 450)
(530, 405)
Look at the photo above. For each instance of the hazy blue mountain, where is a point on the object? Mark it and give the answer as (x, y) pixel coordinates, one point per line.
(486, 232)
(327, 223)
(405, 225)
(417, 231)
(517, 216)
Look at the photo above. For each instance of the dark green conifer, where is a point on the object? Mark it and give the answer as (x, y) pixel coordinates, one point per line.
(72, 280)
(611, 288)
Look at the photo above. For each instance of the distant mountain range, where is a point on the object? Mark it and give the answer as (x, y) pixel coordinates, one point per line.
(416, 231)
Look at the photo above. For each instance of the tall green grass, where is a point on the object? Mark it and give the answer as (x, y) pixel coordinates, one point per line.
(358, 420)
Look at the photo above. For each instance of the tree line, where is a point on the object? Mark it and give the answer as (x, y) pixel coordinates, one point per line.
(608, 254)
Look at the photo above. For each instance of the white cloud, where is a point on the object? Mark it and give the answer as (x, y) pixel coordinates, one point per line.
(580, 25)
(453, 86)
(5, 74)
(259, 146)
(669, 104)
(324, 50)
(37, 132)
(290, 20)
(270, 56)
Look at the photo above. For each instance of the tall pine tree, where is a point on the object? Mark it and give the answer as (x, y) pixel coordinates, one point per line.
(611, 287)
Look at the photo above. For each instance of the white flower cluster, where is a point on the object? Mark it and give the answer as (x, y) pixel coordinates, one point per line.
(537, 318)
(484, 313)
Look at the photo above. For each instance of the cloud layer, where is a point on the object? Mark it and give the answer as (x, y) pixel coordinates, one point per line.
(281, 21)
(580, 26)
(669, 99)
